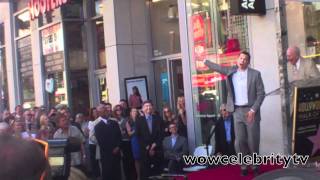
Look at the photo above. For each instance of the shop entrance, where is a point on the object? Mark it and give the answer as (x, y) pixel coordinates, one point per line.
(169, 81)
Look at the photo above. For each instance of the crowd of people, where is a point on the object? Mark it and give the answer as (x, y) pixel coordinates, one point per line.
(117, 142)
(137, 141)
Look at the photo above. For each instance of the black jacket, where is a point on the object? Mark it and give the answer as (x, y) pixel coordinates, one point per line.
(221, 140)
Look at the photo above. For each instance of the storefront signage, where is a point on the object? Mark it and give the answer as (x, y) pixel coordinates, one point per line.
(37, 7)
(306, 121)
(198, 36)
(54, 62)
(52, 39)
(239, 7)
(206, 80)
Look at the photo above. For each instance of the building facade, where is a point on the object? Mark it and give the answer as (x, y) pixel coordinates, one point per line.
(82, 52)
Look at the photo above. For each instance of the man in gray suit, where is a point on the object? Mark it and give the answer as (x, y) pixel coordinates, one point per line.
(245, 96)
(174, 147)
(299, 68)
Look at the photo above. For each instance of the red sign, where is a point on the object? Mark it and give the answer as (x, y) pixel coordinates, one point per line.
(198, 28)
(206, 80)
(37, 7)
(226, 59)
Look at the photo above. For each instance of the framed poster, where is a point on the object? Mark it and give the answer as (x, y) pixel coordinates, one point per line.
(135, 87)
(306, 122)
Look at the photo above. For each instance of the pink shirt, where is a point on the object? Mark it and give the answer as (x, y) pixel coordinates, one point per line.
(135, 101)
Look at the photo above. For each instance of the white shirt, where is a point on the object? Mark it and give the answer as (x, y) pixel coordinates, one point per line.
(240, 84)
(72, 132)
(298, 64)
(91, 125)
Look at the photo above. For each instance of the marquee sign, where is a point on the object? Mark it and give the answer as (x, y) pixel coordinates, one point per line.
(37, 7)
(239, 7)
(306, 122)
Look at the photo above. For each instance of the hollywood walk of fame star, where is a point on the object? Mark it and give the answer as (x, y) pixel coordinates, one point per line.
(316, 142)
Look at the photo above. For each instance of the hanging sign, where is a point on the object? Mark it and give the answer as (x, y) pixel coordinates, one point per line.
(247, 7)
(50, 85)
(52, 39)
(37, 7)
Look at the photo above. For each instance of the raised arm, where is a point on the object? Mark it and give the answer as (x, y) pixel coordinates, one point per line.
(216, 67)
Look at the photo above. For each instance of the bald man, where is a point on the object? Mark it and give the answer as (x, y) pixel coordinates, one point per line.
(299, 68)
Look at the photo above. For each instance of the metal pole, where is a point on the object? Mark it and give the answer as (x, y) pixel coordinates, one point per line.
(282, 45)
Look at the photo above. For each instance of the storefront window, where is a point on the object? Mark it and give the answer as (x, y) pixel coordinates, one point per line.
(19, 5)
(49, 17)
(3, 81)
(22, 24)
(53, 52)
(162, 83)
(101, 51)
(72, 10)
(165, 27)
(215, 35)
(24, 56)
(303, 21)
(97, 8)
(78, 66)
(103, 93)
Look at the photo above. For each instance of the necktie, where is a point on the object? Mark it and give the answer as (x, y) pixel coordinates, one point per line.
(173, 141)
(149, 121)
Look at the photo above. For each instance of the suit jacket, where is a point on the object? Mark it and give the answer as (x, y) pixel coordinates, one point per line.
(108, 137)
(220, 136)
(307, 70)
(256, 91)
(146, 138)
(179, 149)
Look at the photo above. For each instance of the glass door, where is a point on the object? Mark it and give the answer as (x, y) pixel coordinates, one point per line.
(168, 82)
(176, 81)
(161, 83)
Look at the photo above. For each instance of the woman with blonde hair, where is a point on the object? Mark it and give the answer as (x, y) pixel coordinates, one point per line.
(45, 131)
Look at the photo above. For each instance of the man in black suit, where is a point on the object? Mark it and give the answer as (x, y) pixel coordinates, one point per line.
(224, 134)
(174, 147)
(149, 130)
(108, 135)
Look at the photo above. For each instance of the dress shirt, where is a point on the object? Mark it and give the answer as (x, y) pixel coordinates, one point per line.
(91, 125)
(297, 65)
(104, 120)
(173, 140)
(239, 80)
(227, 127)
(149, 122)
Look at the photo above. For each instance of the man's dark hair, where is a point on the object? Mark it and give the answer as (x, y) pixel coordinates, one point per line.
(17, 107)
(20, 159)
(147, 101)
(105, 103)
(247, 54)
(124, 100)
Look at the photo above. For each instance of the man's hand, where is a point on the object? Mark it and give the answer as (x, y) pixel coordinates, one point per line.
(116, 151)
(250, 116)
